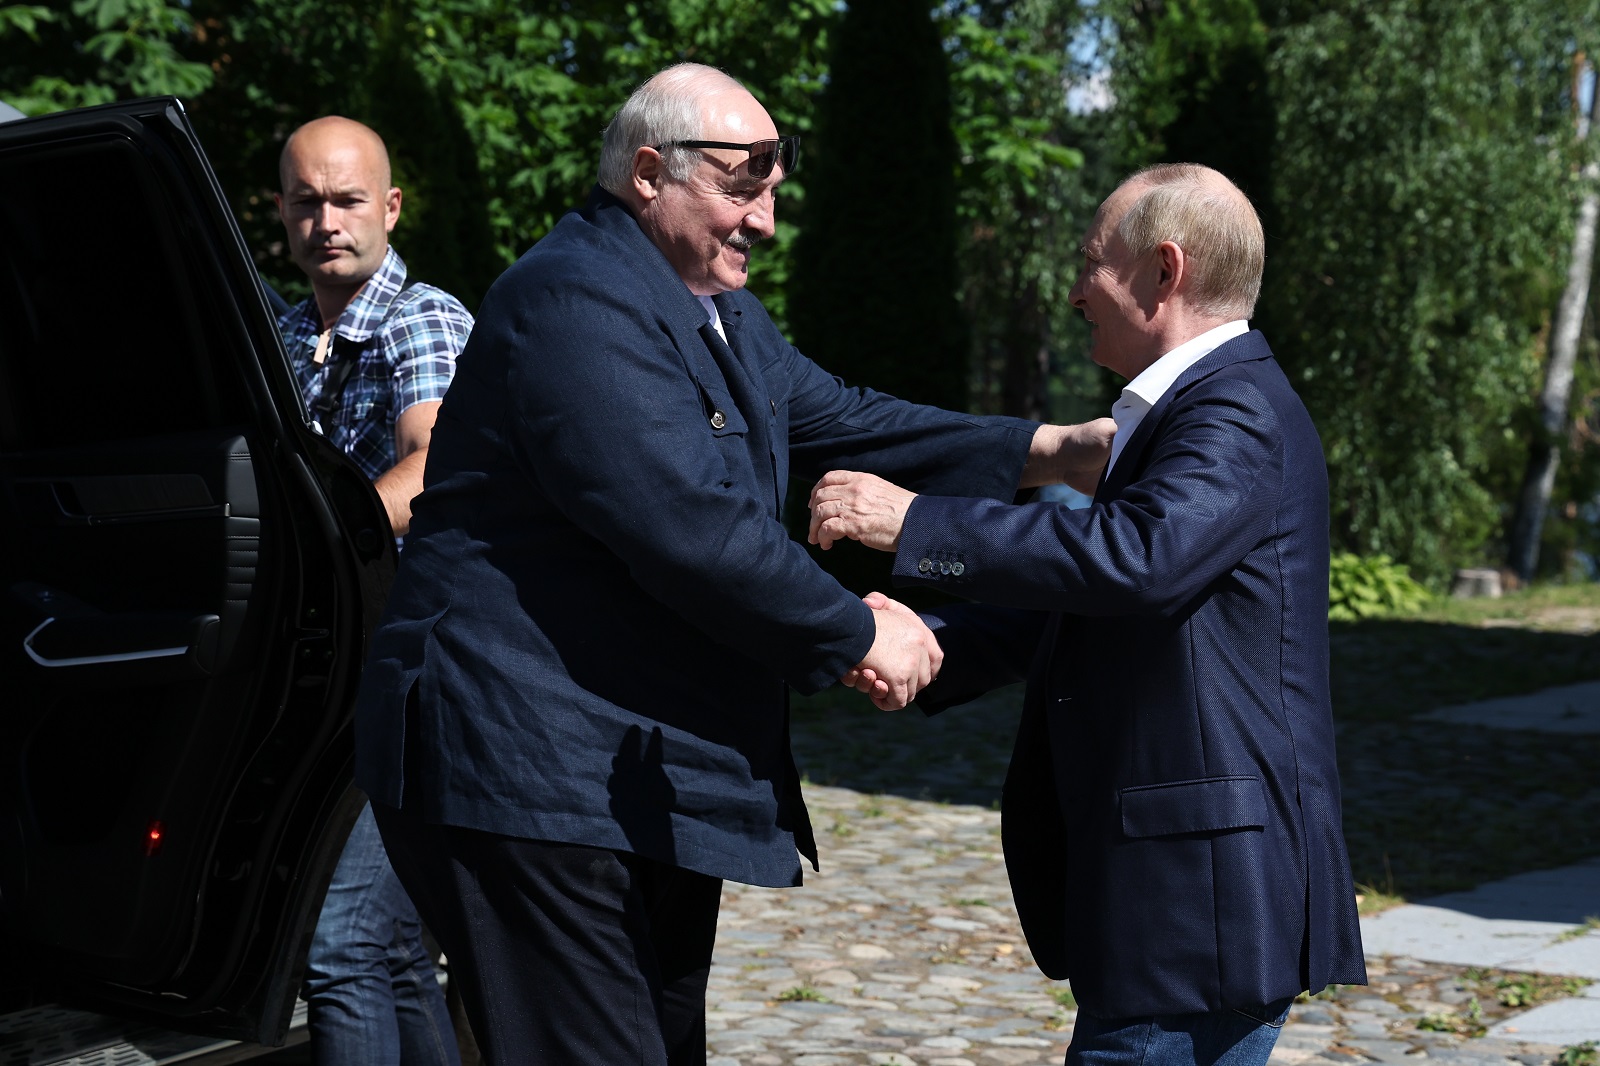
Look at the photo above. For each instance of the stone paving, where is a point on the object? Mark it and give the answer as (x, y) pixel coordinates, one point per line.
(905, 951)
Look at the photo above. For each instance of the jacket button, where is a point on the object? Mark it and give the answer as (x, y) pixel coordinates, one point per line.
(944, 567)
(925, 565)
(958, 568)
(717, 421)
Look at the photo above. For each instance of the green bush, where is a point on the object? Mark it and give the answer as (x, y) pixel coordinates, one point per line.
(1369, 586)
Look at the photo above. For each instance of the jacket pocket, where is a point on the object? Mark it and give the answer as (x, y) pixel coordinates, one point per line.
(1203, 806)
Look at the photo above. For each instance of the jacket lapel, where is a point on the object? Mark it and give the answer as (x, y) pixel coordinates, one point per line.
(686, 320)
(1245, 348)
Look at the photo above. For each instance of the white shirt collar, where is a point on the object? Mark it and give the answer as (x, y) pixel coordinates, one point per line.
(1143, 392)
(716, 319)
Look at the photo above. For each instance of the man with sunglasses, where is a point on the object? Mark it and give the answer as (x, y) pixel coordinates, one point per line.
(573, 725)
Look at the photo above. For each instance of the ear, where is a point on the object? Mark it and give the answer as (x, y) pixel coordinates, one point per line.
(277, 198)
(647, 173)
(391, 210)
(1172, 265)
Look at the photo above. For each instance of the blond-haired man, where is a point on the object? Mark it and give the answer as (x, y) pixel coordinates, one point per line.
(1172, 823)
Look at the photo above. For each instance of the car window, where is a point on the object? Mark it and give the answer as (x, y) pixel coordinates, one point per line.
(102, 336)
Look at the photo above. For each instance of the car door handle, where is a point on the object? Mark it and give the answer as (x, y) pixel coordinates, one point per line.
(119, 638)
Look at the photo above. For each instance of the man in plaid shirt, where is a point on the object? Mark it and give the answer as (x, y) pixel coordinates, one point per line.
(373, 357)
(338, 209)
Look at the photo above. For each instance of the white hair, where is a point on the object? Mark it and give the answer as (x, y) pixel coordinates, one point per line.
(665, 108)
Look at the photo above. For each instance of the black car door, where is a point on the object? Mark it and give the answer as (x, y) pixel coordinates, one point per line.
(187, 577)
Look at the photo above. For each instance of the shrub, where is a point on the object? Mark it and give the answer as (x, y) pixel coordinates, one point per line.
(1369, 586)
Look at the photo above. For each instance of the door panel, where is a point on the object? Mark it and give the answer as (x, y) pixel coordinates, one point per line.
(187, 576)
(135, 573)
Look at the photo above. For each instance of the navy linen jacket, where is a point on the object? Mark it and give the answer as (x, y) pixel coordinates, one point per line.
(1171, 818)
(598, 606)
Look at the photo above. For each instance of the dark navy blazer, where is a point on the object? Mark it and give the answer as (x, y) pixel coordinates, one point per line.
(598, 604)
(1172, 816)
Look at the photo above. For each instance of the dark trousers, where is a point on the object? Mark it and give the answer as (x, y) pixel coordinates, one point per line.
(565, 953)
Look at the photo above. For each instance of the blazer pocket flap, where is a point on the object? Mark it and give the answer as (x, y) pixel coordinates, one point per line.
(1203, 806)
(721, 415)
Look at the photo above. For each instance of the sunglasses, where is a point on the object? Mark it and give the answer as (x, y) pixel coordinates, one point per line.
(763, 154)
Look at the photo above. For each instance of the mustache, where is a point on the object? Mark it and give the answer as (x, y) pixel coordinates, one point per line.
(743, 241)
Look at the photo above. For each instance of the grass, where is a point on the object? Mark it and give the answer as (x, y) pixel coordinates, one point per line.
(1590, 924)
(1456, 651)
(1372, 900)
(1432, 807)
(1584, 1054)
(1066, 1004)
(1496, 994)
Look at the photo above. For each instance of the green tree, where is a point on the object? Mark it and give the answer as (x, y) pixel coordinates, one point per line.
(1020, 202)
(1554, 434)
(95, 51)
(531, 83)
(1418, 173)
(874, 295)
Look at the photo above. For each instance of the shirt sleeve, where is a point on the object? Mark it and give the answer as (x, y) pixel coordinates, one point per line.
(421, 345)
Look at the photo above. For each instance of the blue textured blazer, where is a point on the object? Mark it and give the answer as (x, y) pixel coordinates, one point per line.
(1171, 816)
(598, 605)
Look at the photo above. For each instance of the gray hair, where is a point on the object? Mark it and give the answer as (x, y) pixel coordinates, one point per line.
(665, 108)
(1206, 215)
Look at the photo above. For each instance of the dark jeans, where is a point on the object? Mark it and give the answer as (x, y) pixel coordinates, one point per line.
(1243, 1037)
(565, 954)
(371, 987)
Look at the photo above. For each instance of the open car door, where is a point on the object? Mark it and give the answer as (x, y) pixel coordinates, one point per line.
(187, 578)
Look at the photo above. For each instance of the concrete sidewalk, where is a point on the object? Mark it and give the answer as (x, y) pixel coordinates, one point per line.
(1546, 922)
(1531, 923)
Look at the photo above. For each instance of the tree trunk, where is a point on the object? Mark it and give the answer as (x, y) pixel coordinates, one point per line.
(1545, 455)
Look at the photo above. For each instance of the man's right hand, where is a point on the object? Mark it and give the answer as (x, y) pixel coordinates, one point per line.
(903, 659)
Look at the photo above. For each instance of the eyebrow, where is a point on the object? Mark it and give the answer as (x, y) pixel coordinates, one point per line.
(310, 190)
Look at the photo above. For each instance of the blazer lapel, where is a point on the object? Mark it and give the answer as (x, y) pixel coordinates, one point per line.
(751, 399)
(1240, 349)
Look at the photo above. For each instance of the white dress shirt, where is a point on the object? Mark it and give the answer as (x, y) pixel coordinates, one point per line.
(1142, 393)
(716, 319)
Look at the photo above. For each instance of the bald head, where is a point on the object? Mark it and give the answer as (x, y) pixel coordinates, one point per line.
(337, 207)
(335, 135)
(1206, 215)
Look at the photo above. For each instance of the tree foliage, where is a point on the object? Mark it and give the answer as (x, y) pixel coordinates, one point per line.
(1413, 161)
(88, 52)
(495, 106)
(1418, 174)
(874, 294)
(1020, 201)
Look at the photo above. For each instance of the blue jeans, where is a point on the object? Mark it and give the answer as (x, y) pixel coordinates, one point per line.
(371, 987)
(1243, 1037)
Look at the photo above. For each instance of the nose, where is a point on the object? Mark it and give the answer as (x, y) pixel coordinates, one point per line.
(1075, 294)
(762, 215)
(326, 218)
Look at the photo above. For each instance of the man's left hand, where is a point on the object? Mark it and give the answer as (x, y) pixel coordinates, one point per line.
(864, 507)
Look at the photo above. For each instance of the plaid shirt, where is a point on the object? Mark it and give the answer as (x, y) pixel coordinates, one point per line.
(407, 355)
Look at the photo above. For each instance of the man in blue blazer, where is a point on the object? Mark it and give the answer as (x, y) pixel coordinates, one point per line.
(573, 723)
(1171, 816)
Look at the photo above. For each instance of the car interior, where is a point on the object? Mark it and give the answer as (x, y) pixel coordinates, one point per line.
(178, 593)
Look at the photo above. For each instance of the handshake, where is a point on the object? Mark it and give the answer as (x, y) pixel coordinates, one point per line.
(848, 505)
(904, 656)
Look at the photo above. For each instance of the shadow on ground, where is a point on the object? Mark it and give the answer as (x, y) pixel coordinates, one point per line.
(1429, 806)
